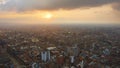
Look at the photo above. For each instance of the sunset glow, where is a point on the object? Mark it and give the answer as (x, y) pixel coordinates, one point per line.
(32, 12)
(59, 33)
(48, 16)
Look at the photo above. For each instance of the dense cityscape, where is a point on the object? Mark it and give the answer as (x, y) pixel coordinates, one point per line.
(59, 33)
(60, 47)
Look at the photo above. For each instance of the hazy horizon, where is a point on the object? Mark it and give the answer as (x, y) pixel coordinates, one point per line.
(60, 12)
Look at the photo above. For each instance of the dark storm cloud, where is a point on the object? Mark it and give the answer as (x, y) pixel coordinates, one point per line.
(27, 5)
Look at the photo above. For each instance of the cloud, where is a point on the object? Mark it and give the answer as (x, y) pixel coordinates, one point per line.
(2, 2)
(28, 5)
(116, 6)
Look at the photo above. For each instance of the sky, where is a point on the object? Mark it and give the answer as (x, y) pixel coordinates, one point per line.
(60, 11)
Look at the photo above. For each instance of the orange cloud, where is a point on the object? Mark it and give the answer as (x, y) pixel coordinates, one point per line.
(104, 14)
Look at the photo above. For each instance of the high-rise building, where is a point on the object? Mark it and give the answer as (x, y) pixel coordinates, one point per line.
(45, 56)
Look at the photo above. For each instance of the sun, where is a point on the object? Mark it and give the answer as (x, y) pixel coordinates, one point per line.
(48, 16)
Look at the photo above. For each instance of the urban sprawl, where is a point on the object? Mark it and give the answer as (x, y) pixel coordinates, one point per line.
(60, 47)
